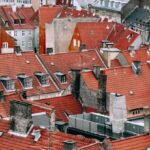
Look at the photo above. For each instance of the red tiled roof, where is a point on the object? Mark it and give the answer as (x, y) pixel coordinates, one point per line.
(26, 63)
(140, 142)
(56, 140)
(7, 14)
(92, 33)
(6, 38)
(122, 80)
(90, 80)
(64, 62)
(115, 63)
(64, 105)
(142, 54)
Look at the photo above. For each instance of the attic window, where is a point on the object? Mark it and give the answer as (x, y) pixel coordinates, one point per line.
(22, 21)
(61, 77)
(16, 21)
(8, 83)
(42, 78)
(25, 80)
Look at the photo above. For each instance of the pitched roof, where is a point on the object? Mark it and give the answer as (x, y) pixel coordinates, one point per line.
(140, 142)
(26, 63)
(122, 80)
(142, 54)
(97, 31)
(122, 37)
(92, 33)
(7, 14)
(56, 140)
(64, 105)
(64, 62)
(6, 38)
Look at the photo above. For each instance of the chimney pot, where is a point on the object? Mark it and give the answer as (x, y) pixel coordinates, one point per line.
(69, 145)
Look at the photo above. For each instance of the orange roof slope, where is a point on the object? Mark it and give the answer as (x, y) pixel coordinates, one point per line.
(92, 33)
(64, 62)
(134, 143)
(90, 80)
(122, 80)
(64, 105)
(142, 54)
(7, 13)
(56, 140)
(26, 63)
(4, 37)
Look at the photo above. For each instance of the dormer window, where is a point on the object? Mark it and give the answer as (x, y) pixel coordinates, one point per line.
(42, 78)
(16, 21)
(8, 83)
(22, 21)
(25, 80)
(62, 78)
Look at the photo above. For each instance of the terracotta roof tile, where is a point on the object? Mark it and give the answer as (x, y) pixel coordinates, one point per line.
(64, 105)
(123, 80)
(64, 62)
(25, 63)
(140, 142)
(56, 140)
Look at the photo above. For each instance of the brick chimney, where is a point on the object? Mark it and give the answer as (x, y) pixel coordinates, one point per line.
(75, 85)
(20, 117)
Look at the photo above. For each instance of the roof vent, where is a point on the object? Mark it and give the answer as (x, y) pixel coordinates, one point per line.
(136, 67)
(36, 134)
(69, 145)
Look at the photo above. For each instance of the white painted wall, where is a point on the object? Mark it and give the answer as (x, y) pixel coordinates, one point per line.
(24, 37)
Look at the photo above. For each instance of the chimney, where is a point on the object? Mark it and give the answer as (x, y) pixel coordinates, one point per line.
(75, 85)
(69, 145)
(146, 112)
(82, 47)
(96, 71)
(118, 112)
(101, 94)
(136, 67)
(17, 50)
(20, 117)
(1, 96)
(104, 43)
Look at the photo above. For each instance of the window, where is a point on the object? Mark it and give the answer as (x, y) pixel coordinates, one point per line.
(23, 33)
(23, 43)
(42, 78)
(5, 44)
(8, 83)
(28, 82)
(74, 42)
(16, 21)
(15, 33)
(30, 33)
(61, 77)
(25, 80)
(30, 44)
(22, 21)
